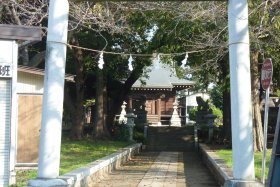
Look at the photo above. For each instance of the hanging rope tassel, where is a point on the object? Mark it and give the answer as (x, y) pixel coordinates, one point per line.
(184, 62)
(101, 61)
(130, 60)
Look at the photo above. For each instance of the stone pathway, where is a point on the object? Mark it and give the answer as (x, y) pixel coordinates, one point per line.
(196, 173)
(163, 172)
(131, 173)
(161, 169)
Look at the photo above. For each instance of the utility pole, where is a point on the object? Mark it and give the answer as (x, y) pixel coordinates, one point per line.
(50, 136)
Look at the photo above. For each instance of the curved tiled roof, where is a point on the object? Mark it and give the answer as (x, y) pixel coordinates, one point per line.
(161, 76)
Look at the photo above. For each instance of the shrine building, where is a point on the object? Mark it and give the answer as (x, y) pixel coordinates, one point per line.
(155, 95)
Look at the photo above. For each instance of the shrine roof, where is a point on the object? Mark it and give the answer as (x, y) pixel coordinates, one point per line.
(161, 76)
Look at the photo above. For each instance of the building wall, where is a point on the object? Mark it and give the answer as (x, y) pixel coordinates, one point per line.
(29, 124)
(30, 83)
(167, 99)
(30, 97)
(167, 105)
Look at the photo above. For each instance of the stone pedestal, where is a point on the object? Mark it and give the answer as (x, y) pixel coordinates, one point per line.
(47, 183)
(175, 119)
(145, 130)
(242, 183)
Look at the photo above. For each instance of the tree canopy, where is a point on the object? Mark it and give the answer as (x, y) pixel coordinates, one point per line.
(198, 29)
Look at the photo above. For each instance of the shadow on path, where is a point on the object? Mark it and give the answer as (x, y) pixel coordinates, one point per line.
(160, 169)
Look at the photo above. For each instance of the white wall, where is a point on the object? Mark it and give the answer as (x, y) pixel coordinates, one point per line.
(30, 83)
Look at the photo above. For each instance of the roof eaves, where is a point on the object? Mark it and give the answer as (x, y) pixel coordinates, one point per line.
(37, 71)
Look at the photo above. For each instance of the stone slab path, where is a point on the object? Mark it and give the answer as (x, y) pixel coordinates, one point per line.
(160, 169)
(163, 171)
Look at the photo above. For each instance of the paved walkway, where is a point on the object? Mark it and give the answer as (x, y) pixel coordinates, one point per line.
(159, 169)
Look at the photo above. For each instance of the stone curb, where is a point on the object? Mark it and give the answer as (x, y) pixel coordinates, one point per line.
(96, 170)
(221, 171)
(216, 165)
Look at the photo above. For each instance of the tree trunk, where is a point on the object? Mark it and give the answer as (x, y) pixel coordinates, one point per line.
(78, 112)
(100, 128)
(226, 118)
(118, 97)
(105, 106)
(257, 121)
(76, 130)
(226, 102)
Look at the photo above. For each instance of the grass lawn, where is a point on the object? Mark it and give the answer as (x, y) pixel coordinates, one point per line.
(226, 155)
(75, 154)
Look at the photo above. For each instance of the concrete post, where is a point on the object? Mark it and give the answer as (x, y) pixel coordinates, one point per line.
(240, 89)
(50, 137)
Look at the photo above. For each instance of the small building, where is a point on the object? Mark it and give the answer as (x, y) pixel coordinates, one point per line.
(156, 94)
(30, 88)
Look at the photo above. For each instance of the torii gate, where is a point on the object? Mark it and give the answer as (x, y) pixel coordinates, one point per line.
(242, 133)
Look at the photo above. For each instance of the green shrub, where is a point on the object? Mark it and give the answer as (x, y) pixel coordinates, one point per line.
(192, 114)
(219, 114)
(215, 110)
(278, 93)
(121, 132)
(138, 133)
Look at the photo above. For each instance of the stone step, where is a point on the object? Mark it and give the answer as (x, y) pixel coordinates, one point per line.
(168, 138)
(184, 148)
(167, 131)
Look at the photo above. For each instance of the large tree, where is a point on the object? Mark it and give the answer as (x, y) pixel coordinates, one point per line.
(264, 37)
(199, 28)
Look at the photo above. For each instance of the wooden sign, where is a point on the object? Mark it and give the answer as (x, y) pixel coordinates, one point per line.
(18, 32)
(5, 70)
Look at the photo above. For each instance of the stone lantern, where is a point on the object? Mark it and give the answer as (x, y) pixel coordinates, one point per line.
(122, 118)
(130, 124)
(175, 119)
